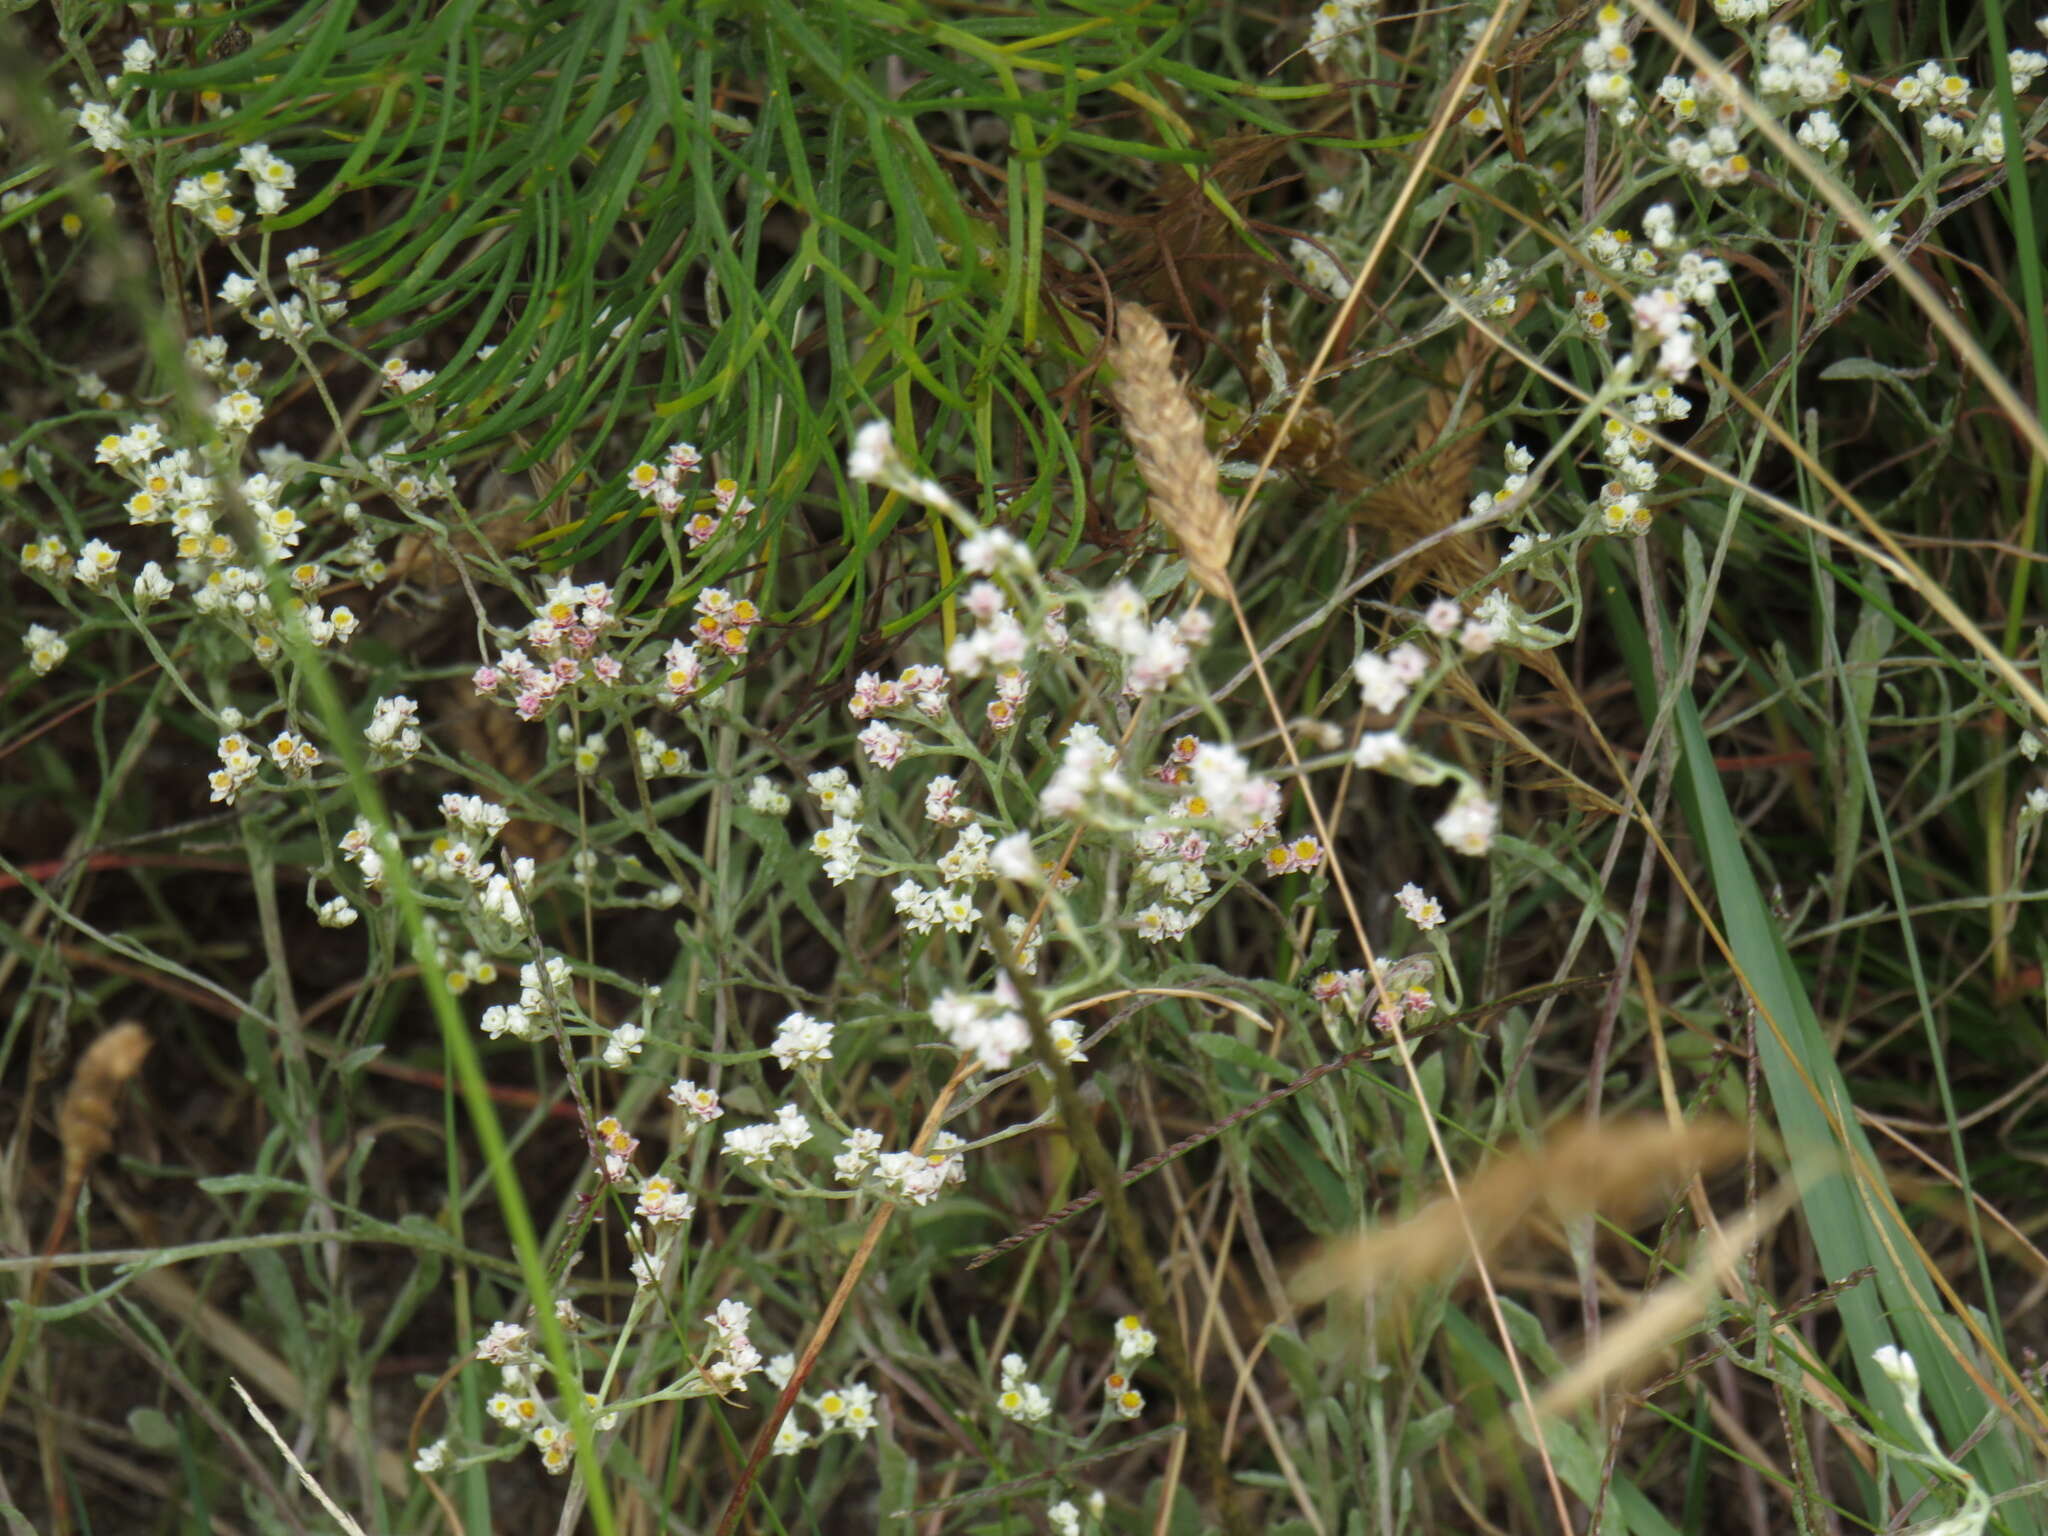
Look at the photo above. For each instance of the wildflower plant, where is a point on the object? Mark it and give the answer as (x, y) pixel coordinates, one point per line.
(704, 738)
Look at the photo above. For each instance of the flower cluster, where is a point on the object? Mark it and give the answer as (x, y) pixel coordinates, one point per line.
(520, 1406)
(755, 1146)
(848, 1409)
(1019, 1399)
(919, 1178)
(662, 483)
(801, 1039)
(209, 197)
(724, 621)
(1940, 98)
(565, 633)
(1152, 654)
(1134, 1345)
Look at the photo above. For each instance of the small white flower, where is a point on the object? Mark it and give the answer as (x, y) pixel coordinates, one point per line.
(336, 912)
(702, 1103)
(1468, 826)
(626, 1043)
(763, 796)
(1898, 1365)
(1134, 1341)
(801, 1038)
(96, 562)
(874, 445)
(1013, 859)
(1820, 133)
(152, 586)
(1380, 749)
(1422, 909)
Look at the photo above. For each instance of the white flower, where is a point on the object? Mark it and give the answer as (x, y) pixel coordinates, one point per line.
(504, 1344)
(874, 446)
(432, 1458)
(993, 550)
(699, 1102)
(1380, 685)
(152, 586)
(1422, 909)
(1013, 859)
(393, 732)
(105, 126)
(763, 796)
(1019, 1399)
(756, 1144)
(1381, 750)
(626, 1043)
(801, 1038)
(1468, 826)
(1898, 1365)
(1819, 133)
(851, 1165)
(96, 562)
(662, 1204)
(335, 912)
(982, 1026)
(1320, 271)
(1336, 30)
(839, 846)
(883, 744)
(1237, 798)
(1134, 1341)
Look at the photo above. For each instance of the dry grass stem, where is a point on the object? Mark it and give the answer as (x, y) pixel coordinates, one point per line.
(1173, 455)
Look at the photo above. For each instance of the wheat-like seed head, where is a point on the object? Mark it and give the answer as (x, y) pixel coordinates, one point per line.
(1173, 456)
(88, 1115)
(1617, 1168)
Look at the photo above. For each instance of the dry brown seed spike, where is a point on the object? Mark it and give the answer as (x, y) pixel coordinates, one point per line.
(1173, 456)
(87, 1117)
(1616, 1168)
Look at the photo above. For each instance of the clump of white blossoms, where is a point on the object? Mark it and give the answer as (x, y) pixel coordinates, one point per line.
(1419, 907)
(1337, 35)
(209, 196)
(393, 734)
(1134, 1345)
(46, 652)
(1940, 97)
(849, 1409)
(801, 1039)
(755, 1146)
(1019, 1399)
(987, 1027)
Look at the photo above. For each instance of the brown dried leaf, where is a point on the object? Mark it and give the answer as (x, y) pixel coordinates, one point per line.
(1428, 493)
(1619, 1168)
